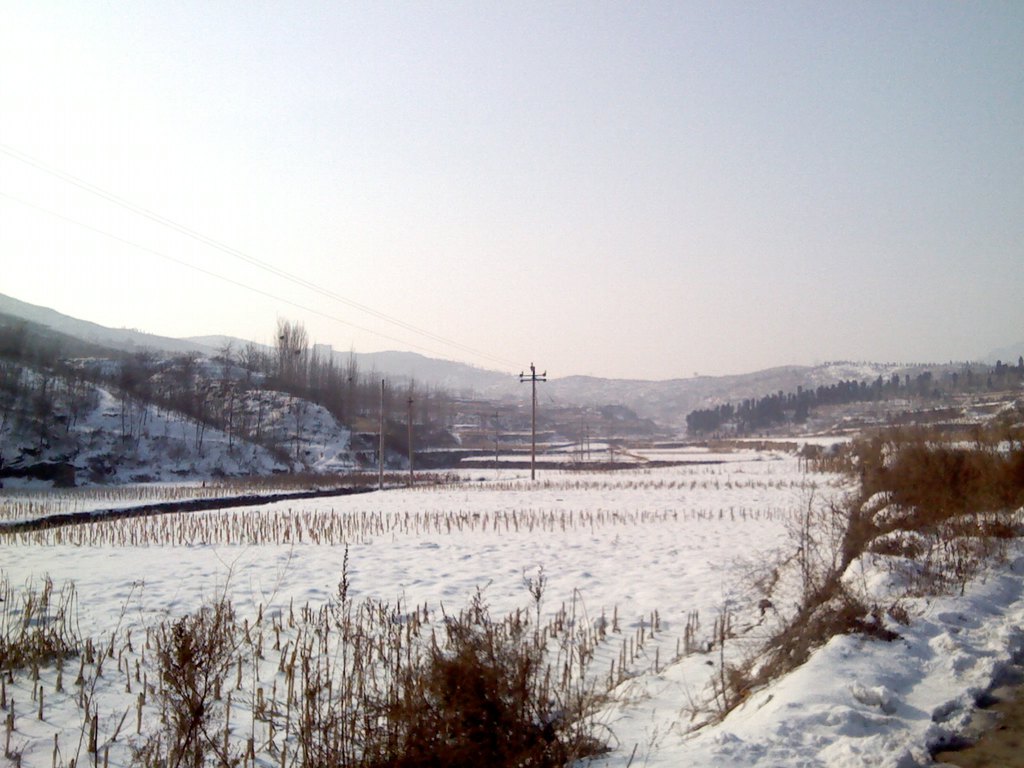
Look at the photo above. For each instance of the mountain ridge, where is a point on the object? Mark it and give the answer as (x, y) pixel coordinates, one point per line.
(666, 401)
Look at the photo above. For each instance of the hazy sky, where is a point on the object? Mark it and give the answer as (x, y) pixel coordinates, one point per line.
(641, 190)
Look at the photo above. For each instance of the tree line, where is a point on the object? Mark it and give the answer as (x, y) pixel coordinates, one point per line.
(754, 414)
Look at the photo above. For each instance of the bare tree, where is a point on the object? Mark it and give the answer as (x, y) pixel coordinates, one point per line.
(227, 352)
(351, 375)
(292, 354)
(253, 359)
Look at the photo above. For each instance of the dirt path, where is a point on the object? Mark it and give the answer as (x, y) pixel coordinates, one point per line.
(162, 508)
(1001, 726)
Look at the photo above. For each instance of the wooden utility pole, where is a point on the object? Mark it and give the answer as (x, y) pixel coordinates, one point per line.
(533, 378)
(496, 416)
(380, 453)
(411, 477)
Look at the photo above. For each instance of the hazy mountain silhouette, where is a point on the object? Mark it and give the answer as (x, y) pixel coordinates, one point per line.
(666, 402)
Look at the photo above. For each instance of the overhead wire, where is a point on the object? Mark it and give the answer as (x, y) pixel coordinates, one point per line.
(242, 256)
(211, 273)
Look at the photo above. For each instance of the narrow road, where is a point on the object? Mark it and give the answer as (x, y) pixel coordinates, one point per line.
(999, 733)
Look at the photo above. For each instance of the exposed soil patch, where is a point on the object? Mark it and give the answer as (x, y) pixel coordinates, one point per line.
(996, 736)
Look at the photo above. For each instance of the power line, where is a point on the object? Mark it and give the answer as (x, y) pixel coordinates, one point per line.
(241, 255)
(211, 273)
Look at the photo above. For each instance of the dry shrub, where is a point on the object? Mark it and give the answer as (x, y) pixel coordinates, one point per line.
(485, 698)
(939, 482)
(926, 473)
(194, 655)
(834, 611)
(950, 506)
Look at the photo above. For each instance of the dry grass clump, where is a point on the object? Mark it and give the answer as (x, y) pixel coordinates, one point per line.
(933, 483)
(36, 625)
(950, 507)
(836, 610)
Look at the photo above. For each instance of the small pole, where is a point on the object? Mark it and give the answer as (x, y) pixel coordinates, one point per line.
(380, 452)
(496, 425)
(412, 478)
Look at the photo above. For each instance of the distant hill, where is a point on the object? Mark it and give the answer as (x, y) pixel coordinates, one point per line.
(458, 378)
(122, 339)
(666, 402)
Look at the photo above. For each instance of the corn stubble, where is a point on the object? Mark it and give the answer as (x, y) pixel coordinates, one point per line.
(351, 683)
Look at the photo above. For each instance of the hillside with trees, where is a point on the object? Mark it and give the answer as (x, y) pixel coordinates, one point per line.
(796, 409)
(73, 409)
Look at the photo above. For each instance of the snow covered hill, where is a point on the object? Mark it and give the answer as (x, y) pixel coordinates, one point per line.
(75, 432)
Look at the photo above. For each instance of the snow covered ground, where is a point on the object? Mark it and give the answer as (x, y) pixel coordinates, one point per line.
(668, 546)
(857, 701)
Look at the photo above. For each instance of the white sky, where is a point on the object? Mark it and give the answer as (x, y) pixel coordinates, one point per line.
(638, 190)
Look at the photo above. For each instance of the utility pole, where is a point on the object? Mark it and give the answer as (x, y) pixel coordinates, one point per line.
(380, 454)
(533, 378)
(411, 477)
(496, 416)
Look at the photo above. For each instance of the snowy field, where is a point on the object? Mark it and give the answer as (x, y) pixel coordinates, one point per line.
(652, 550)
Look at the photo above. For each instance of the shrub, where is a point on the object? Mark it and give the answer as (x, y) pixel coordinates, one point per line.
(486, 699)
(194, 655)
(935, 480)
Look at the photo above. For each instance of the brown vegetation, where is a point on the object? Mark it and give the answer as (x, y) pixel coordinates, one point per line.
(950, 506)
(361, 684)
